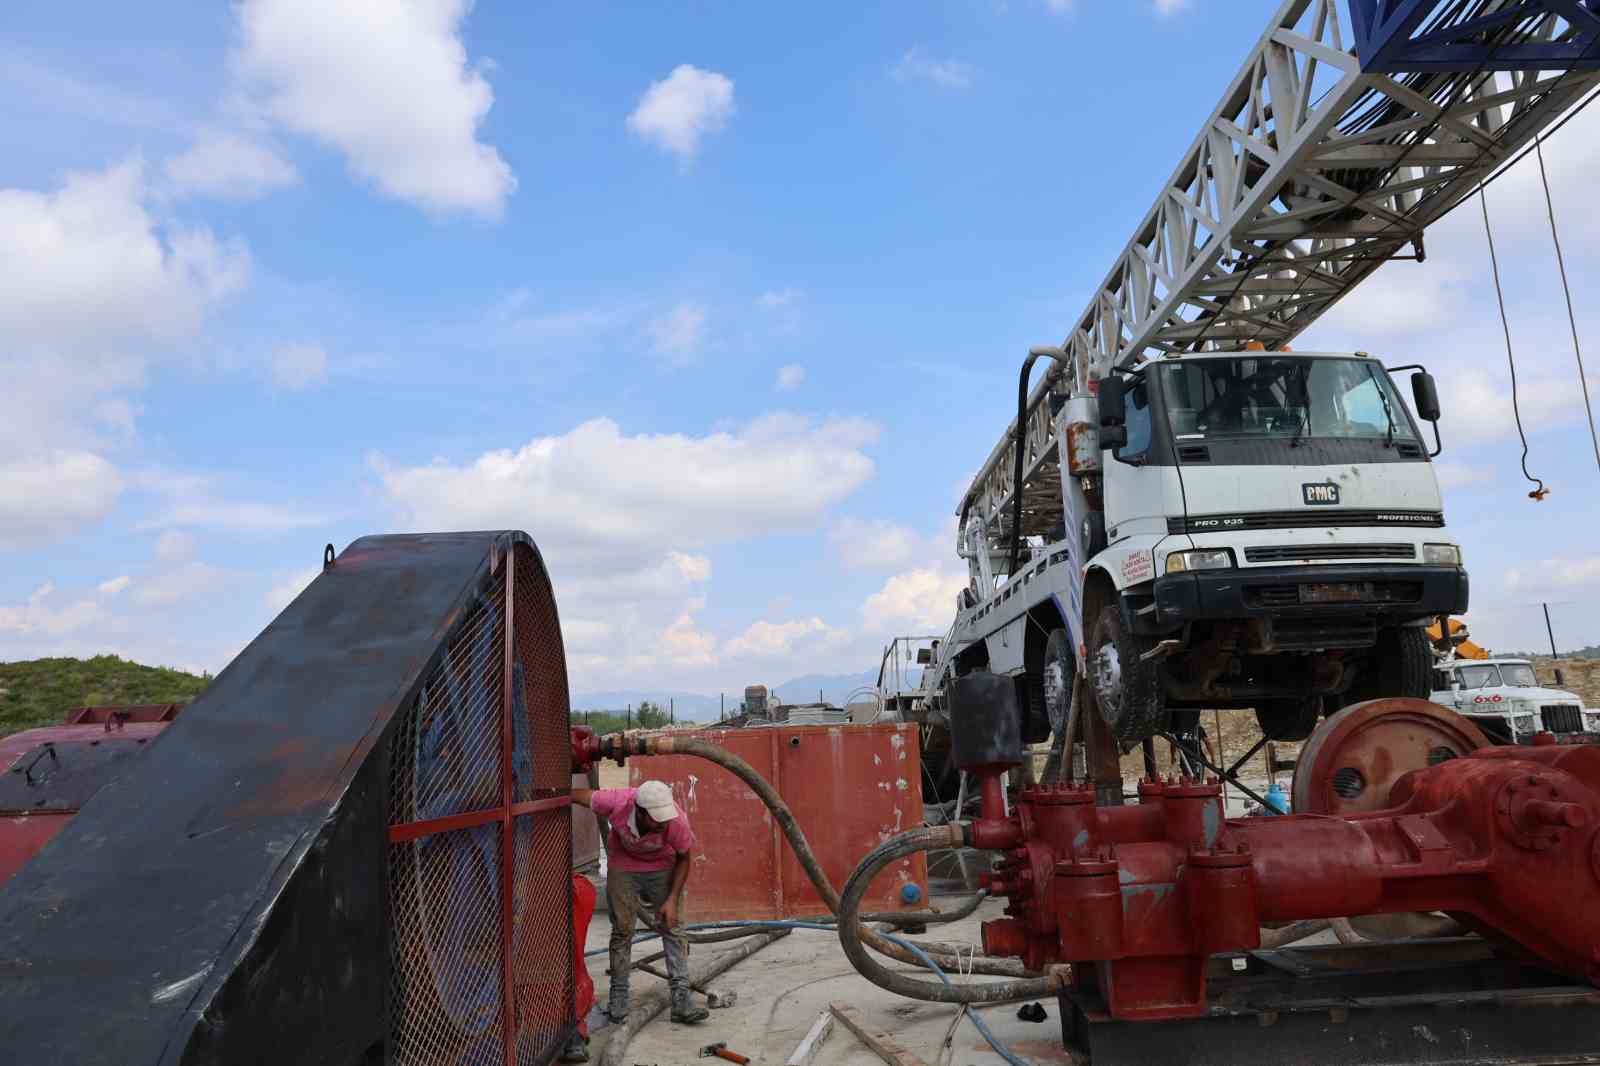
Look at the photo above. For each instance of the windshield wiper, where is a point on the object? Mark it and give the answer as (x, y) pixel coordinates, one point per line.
(1388, 412)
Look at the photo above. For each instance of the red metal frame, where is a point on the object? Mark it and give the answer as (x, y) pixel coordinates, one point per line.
(505, 813)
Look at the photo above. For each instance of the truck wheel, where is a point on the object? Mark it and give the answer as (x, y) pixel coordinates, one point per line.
(1127, 688)
(1288, 719)
(1060, 667)
(1401, 665)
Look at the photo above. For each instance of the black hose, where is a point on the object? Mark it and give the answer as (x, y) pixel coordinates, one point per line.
(681, 745)
(1016, 468)
(852, 933)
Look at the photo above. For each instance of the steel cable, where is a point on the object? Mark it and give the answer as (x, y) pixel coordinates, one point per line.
(1572, 320)
(1539, 492)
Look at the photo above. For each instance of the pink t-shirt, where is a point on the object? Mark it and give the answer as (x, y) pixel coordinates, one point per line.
(626, 850)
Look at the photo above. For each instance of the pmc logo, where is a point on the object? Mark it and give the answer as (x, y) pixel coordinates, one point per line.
(1316, 493)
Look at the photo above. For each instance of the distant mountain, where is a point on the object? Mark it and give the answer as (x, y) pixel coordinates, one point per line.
(835, 688)
(688, 706)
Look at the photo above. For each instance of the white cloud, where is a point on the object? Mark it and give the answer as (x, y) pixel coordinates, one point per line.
(1170, 7)
(53, 494)
(941, 73)
(624, 521)
(87, 268)
(676, 114)
(602, 494)
(1548, 577)
(775, 298)
(921, 600)
(679, 333)
(95, 285)
(767, 640)
(387, 84)
(184, 583)
(229, 166)
(38, 618)
(114, 585)
(282, 593)
(1454, 475)
(298, 365)
(191, 499)
(174, 546)
(875, 543)
(790, 377)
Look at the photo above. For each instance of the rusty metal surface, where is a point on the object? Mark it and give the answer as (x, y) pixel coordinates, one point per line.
(1353, 759)
(124, 713)
(850, 787)
(227, 894)
(1506, 840)
(38, 809)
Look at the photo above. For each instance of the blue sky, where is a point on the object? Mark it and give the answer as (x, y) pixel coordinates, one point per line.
(722, 303)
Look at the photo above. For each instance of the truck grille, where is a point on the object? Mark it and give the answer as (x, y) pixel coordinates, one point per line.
(1280, 553)
(1562, 718)
(1311, 518)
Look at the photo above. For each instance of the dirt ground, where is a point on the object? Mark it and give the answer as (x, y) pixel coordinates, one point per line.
(782, 988)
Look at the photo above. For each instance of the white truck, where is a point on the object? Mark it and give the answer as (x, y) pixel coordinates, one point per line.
(1248, 530)
(1505, 700)
(1186, 514)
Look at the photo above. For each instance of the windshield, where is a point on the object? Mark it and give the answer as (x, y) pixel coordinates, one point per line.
(1480, 676)
(1282, 396)
(1518, 675)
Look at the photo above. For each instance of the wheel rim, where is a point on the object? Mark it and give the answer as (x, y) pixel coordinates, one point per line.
(1055, 693)
(1107, 672)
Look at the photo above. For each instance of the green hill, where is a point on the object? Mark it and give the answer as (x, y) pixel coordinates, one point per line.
(40, 691)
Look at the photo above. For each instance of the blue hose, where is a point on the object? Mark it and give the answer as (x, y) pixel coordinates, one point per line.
(994, 1041)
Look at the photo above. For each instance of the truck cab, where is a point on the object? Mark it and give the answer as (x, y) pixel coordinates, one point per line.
(1504, 699)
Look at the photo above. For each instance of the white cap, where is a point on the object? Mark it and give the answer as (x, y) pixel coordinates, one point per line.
(656, 799)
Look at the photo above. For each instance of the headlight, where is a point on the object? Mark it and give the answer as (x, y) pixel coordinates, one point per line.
(1592, 721)
(1522, 723)
(1441, 554)
(1199, 559)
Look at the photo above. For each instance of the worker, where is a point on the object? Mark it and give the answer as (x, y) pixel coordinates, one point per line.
(647, 867)
(577, 1049)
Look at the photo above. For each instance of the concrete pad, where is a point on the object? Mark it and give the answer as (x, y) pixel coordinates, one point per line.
(783, 987)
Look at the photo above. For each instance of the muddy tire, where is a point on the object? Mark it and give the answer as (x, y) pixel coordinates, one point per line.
(1401, 665)
(1288, 719)
(1126, 688)
(1060, 667)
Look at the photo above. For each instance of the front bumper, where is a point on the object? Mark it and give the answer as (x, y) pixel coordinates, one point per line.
(1390, 594)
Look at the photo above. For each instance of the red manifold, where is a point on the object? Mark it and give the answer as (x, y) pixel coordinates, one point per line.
(1137, 897)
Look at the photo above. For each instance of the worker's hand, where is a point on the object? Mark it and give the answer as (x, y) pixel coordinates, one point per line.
(668, 914)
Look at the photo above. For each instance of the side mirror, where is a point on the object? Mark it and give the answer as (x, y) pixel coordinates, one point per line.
(1113, 437)
(1425, 396)
(1111, 403)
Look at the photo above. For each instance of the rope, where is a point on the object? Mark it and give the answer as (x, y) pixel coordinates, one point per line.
(1539, 492)
(1572, 320)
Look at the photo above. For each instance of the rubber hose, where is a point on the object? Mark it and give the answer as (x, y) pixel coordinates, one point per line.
(852, 935)
(680, 745)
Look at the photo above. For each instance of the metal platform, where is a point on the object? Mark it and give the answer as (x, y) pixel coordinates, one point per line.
(1449, 1002)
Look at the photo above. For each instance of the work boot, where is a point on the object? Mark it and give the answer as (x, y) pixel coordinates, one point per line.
(577, 1049)
(690, 1014)
(616, 1015)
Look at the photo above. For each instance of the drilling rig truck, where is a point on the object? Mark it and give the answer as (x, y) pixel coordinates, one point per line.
(1185, 513)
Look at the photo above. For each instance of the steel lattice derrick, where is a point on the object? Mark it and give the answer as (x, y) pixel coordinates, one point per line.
(1324, 159)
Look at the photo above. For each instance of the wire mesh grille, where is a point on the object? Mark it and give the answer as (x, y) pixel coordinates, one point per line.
(445, 891)
(540, 683)
(450, 936)
(446, 754)
(542, 936)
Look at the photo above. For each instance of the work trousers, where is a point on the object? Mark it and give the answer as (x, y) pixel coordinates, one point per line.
(628, 895)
